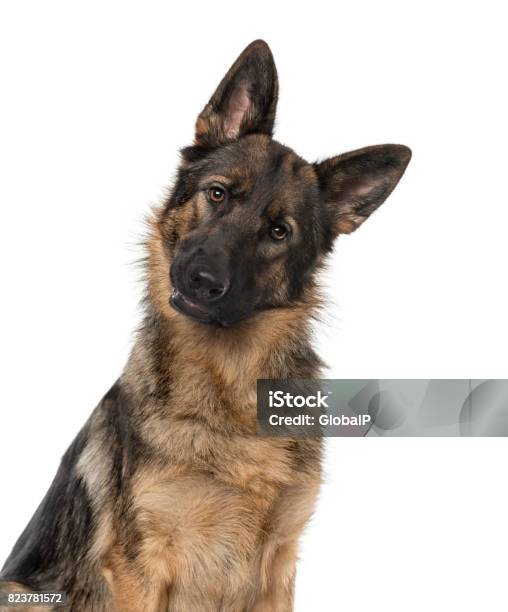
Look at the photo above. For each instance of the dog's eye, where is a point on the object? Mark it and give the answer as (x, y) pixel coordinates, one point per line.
(278, 231)
(216, 195)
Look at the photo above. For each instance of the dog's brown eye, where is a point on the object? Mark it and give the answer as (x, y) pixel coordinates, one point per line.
(278, 232)
(216, 194)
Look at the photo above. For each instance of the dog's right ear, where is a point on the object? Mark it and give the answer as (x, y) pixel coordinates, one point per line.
(244, 102)
(353, 185)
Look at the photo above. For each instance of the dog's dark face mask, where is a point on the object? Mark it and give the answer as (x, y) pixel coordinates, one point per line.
(249, 220)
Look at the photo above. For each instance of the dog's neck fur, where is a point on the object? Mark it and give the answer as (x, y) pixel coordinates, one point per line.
(271, 344)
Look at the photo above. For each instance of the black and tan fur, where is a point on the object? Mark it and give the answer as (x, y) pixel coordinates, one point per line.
(167, 499)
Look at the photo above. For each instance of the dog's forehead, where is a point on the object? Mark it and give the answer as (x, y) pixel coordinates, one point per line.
(259, 163)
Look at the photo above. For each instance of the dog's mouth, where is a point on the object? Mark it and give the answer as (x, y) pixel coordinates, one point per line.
(201, 314)
(190, 308)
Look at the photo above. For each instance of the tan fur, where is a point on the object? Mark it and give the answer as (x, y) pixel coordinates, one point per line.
(226, 510)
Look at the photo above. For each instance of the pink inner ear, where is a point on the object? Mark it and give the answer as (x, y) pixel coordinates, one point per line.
(239, 104)
(363, 189)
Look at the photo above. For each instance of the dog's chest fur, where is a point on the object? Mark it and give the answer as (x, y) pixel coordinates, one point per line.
(211, 532)
(206, 505)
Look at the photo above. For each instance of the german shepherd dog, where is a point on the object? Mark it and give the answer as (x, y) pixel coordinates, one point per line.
(168, 499)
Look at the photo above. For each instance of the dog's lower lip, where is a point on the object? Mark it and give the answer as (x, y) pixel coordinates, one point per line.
(177, 296)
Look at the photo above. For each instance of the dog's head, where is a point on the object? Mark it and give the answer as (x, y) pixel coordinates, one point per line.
(248, 219)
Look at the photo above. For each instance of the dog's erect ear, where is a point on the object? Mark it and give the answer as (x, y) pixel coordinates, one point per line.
(354, 184)
(244, 102)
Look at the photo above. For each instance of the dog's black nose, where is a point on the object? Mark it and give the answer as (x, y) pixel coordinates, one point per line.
(206, 285)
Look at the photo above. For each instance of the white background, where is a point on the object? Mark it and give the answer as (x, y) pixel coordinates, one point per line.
(96, 99)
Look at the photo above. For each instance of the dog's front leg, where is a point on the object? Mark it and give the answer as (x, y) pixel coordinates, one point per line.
(131, 591)
(277, 578)
(277, 567)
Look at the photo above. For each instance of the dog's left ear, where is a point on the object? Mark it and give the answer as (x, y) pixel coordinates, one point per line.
(354, 184)
(244, 102)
